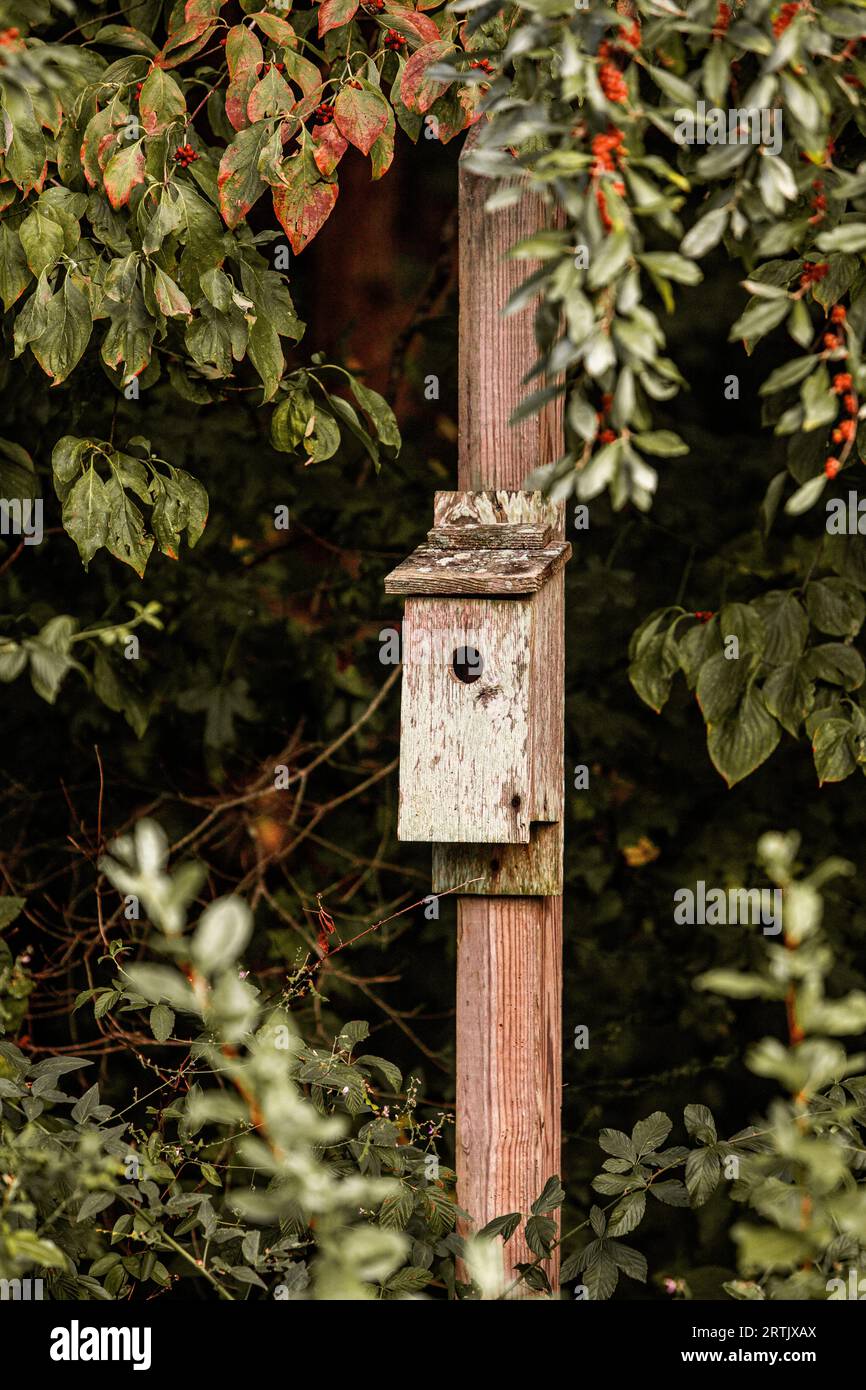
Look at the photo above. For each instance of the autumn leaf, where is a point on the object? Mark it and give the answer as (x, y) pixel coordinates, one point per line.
(244, 57)
(161, 101)
(333, 14)
(186, 41)
(98, 128)
(382, 152)
(280, 30)
(418, 91)
(361, 114)
(122, 172)
(271, 96)
(330, 146)
(239, 180)
(412, 25)
(304, 203)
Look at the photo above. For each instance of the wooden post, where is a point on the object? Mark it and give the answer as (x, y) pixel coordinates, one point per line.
(509, 949)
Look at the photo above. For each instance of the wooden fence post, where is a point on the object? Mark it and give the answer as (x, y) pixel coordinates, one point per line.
(509, 949)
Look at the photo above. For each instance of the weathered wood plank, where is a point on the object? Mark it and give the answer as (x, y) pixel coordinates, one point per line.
(514, 871)
(465, 772)
(496, 507)
(429, 570)
(528, 537)
(509, 950)
(509, 1070)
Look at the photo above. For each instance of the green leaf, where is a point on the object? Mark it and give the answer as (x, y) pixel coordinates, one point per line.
(379, 411)
(223, 932)
(627, 1214)
(396, 1210)
(662, 443)
(721, 683)
(14, 273)
(806, 496)
(649, 1134)
(550, 1198)
(67, 327)
(758, 319)
(161, 1022)
(703, 1171)
(503, 1226)
(42, 240)
(849, 237)
(836, 663)
(10, 908)
(835, 606)
(700, 1124)
(832, 749)
(672, 267)
(706, 233)
(85, 514)
(741, 742)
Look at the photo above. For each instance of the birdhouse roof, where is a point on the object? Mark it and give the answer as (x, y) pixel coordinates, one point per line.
(508, 572)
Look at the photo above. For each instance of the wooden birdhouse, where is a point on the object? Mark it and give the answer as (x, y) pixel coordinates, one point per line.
(481, 757)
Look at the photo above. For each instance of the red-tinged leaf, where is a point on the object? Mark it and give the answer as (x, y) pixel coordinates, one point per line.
(244, 56)
(411, 24)
(361, 114)
(161, 101)
(303, 205)
(453, 115)
(382, 152)
(279, 30)
(239, 180)
(122, 172)
(98, 127)
(185, 42)
(271, 96)
(333, 14)
(303, 73)
(418, 91)
(207, 8)
(330, 147)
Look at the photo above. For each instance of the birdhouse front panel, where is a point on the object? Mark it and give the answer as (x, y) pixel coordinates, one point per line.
(466, 745)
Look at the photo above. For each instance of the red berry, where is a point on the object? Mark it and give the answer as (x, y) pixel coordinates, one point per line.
(831, 467)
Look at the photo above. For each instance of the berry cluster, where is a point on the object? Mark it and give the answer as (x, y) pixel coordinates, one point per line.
(819, 202)
(786, 15)
(374, 6)
(324, 112)
(843, 384)
(607, 156)
(8, 37)
(185, 155)
(614, 54)
(723, 19)
(394, 41)
(813, 274)
(483, 63)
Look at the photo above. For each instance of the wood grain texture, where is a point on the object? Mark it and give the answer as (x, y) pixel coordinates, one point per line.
(509, 951)
(509, 1067)
(431, 570)
(490, 537)
(497, 507)
(465, 749)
